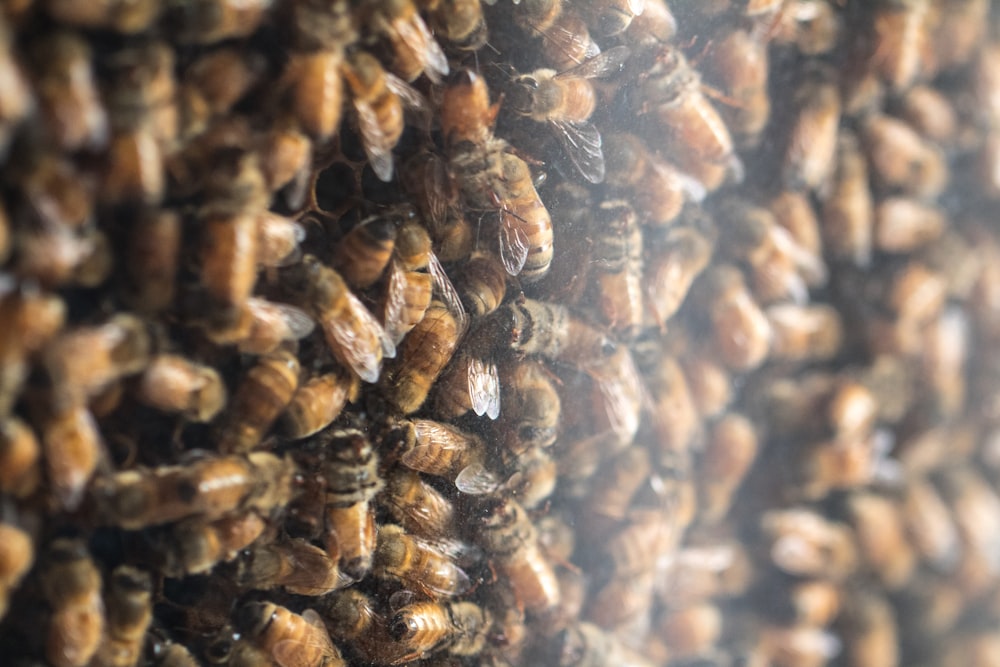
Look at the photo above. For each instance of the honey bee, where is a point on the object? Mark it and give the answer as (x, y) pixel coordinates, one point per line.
(413, 46)
(804, 333)
(210, 21)
(461, 23)
(355, 337)
(699, 573)
(741, 334)
(621, 602)
(903, 225)
(676, 259)
(195, 546)
(417, 563)
(318, 402)
(803, 543)
(812, 137)
(286, 163)
(129, 613)
(565, 101)
(618, 268)
(868, 625)
(443, 450)
(655, 25)
(458, 628)
(422, 357)
(352, 482)
(971, 500)
(151, 261)
(551, 331)
(71, 586)
(35, 318)
(162, 652)
(17, 555)
(174, 384)
(812, 26)
(531, 410)
(482, 284)
(612, 492)
(213, 84)
(930, 526)
(531, 476)
(901, 159)
(315, 91)
(20, 468)
(798, 645)
(73, 448)
(738, 64)
(691, 631)
(501, 526)
(709, 381)
(848, 219)
(363, 254)
(378, 98)
(83, 361)
(730, 449)
(210, 487)
(229, 250)
(930, 113)
(669, 95)
(617, 398)
(290, 639)
(262, 326)
(293, 564)
(882, 541)
(901, 41)
(585, 644)
(657, 189)
(468, 383)
(258, 401)
(418, 507)
(278, 239)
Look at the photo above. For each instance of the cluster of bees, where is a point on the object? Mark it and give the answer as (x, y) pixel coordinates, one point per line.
(551, 332)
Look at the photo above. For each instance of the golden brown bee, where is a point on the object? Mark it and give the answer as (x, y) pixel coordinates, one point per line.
(278, 239)
(611, 493)
(151, 261)
(355, 337)
(930, 113)
(930, 526)
(502, 528)
(364, 252)
(72, 446)
(730, 449)
(901, 41)
(794, 646)
(618, 268)
(901, 159)
(195, 546)
(34, 318)
(176, 385)
(315, 91)
(972, 500)
(418, 507)
(551, 331)
(676, 258)
(352, 482)
(83, 361)
(423, 354)
(801, 542)
(213, 84)
(461, 23)
(210, 487)
(531, 406)
(352, 616)
(691, 631)
(903, 225)
(656, 188)
(867, 623)
(699, 573)
(413, 46)
(565, 39)
(129, 612)
(318, 402)
(669, 95)
(812, 135)
(290, 639)
(738, 65)
(525, 226)
(417, 563)
(655, 25)
(741, 334)
(262, 326)
(378, 98)
(585, 644)
(17, 555)
(446, 451)
(258, 401)
(210, 21)
(20, 468)
(162, 652)
(883, 544)
(565, 101)
(812, 26)
(608, 18)
(71, 586)
(458, 628)
(482, 284)
(228, 264)
(848, 219)
(531, 476)
(804, 333)
(293, 564)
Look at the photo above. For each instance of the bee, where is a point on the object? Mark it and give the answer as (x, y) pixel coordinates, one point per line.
(213, 84)
(531, 476)
(151, 261)
(258, 401)
(293, 564)
(655, 25)
(794, 212)
(423, 354)
(617, 398)
(691, 631)
(618, 268)
(670, 97)
(129, 602)
(468, 383)
(883, 545)
(211, 21)
(608, 18)
(352, 616)
(378, 99)
(174, 384)
(657, 189)
(286, 163)
(278, 239)
(611, 493)
(811, 26)
(848, 218)
(73, 448)
(314, 90)
(812, 137)
(971, 500)
(551, 331)
(502, 528)
(86, 360)
(482, 284)
(699, 573)
(71, 586)
(730, 449)
(162, 652)
(461, 23)
(738, 65)
(930, 526)
(365, 251)
(417, 563)
(565, 101)
(318, 402)
(210, 487)
(443, 450)
(20, 468)
(903, 225)
(794, 645)
(803, 543)
(17, 555)
(741, 334)
(710, 382)
(195, 546)
(352, 482)
(530, 414)
(804, 333)
(676, 259)
(901, 159)
(419, 508)
(525, 226)
(262, 326)
(34, 319)
(867, 623)
(930, 113)
(228, 252)
(458, 628)
(585, 644)
(901, 41)
(566, 41)
(413, 46)
(355, 337)
(290, 639)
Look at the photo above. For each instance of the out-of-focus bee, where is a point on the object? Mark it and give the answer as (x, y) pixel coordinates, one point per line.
(460, 22)
(804, 333)
(669, 95)
(551, 331)
(709, 381)
(20, 468)
(278, 238)
(618, 268)
(355, 337)
(867, 623)
(417, 563)
(972, 500)
(228, 253)
(741, 334)
(211, 487)
(930, 113)
(903, 225)
(585, 644)
(738, 64)
(691, 631)
(458, 628)
(565, 101)
(901, 159)
(212, 84)
(419, 508)
(930, 526)
(262, 326)
(71, 586)
(352, 616)
(901, 41)
(445, 451)
(33, 319)
(881, 536)
(812, 135)
(848, 220)
(611, 493)
(315, 90)
(803, 543)
(129, 612)
(608, 18)
(531, 409)
(259, 399)
(655, 25)
(811, 26)
(17, 555)
(730, 449)
(175, 384)
(531, 476)
(163, 652)
(413, 45)
(537, 16)
(70, 104)
(83, 361)
(364, 252)
(698, 573)
(195, 546)
(151, 262)
(423, 354)
(674, 416)
(210, 21)
(289, 639)
(293, 564)
(503, 529)
(318, 402)
(794, 645)
(468, 383)
(676, 258)
(378, 99)
(352, 482)
(73, 448)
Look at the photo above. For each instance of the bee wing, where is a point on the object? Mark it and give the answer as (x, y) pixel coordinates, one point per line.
(411, 98)
(279, 316)
(514, 244)
(582, 143)
(602, 64)
(288, 652)
(567, 40)
(476, 480)
(376, 143)
(417, 36)
(307, 562)
(448, 292)
(362, 360)
(395, 302)
(484, 388)
(623, 418)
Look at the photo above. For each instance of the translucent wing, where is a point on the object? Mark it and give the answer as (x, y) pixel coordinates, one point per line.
(448, 292)
(359, 339)
(395, 302)
(377, 144)
(602, 64)
(411, 98)
(514, 243)
(582, 143)
(437, 185)
(484, 388)
(314, 573)
(417, 36)
(294, 322)
(476, 480)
